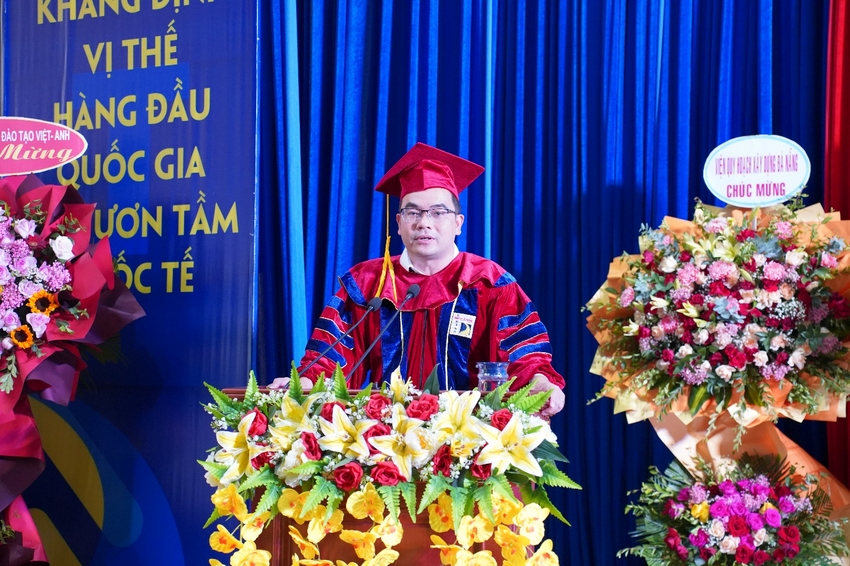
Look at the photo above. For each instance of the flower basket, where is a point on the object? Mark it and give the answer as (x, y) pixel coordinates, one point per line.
(461, 474)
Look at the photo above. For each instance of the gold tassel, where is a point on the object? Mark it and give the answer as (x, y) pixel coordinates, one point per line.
(388, 262)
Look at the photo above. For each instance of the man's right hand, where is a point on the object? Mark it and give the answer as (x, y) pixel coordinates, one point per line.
(283, 383)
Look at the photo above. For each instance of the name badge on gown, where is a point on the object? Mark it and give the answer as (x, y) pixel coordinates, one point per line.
(461, 324)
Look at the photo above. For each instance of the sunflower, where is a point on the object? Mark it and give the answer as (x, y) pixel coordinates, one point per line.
(43, 302)
(22, 336)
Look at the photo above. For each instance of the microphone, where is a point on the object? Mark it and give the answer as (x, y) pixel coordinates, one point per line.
(412, 292)
(373, 304)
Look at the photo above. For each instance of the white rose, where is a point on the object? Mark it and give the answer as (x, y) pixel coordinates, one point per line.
(778, 341)
(705, 366)
(661, 365)
(729, 545)
(724, 372)
(759, 537)
(760, 358)
(657, 332)
(798, 358)
(701, 337)
(684, 351)
(668, 264)
(717, 530)
(63, 247)
(722, 340)
(795, 258)
(760, 259)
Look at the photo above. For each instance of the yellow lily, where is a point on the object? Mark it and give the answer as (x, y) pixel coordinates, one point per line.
(409, 445)
(399, 387)
(290, 421)
(688, 310)
(236, 451)
(726, 250)
(307, 548)
(659, 303)
(631, 329)
(510, 447)
(343, 436)
(457, 417)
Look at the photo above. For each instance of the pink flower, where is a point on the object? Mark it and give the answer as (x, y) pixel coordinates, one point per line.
(627, 296)
(828, 261)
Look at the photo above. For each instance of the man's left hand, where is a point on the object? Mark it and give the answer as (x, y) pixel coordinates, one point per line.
(556, 400)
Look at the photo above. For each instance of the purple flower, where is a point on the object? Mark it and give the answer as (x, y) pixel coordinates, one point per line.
(38, 322)
(698, 494)
(786, 505)
(738, 508)
(10, 320)
(727, 488)
(673, 509)
(755, 521)
(25, 228)
(772, 517)
(627, 296)
(699, 539)
(23, 265)
(719, 509)
(29, 288)
(5, 275)
(744, 484)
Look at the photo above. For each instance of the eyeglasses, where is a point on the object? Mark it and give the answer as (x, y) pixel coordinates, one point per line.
(413, 215)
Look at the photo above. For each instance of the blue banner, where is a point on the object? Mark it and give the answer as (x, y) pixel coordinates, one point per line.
(165, 93)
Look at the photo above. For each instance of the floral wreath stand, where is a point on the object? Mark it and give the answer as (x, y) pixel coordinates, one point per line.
(721, 436)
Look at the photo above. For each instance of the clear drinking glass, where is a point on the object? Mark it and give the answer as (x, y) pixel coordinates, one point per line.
(491, 375)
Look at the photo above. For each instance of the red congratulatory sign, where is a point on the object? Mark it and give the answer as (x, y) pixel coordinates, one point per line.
(29, 146)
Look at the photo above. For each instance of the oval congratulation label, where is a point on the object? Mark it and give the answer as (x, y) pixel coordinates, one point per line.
(753, 171)
(28, 145)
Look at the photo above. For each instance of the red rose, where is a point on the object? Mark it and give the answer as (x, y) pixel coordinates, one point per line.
(501, 418)
(328, 410)
(379, 429)
(442, 463)
(760, 557)
(480, 471)
(778, 555)
(261, 459)
(793, 550)
(311, 446)
(376, 405)
(737, 526)
(387, 473)
(260, 424)
(424, 407)
(744, 555)
(705, 553)
(788, 536)
(347, 477)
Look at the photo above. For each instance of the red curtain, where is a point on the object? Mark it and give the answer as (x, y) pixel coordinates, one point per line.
(837, 179)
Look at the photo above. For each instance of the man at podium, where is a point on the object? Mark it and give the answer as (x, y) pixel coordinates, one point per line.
(468, 309)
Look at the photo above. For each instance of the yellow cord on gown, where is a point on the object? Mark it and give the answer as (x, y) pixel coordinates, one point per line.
(388, 262)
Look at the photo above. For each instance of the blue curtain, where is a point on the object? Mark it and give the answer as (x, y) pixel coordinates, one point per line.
(591, 117)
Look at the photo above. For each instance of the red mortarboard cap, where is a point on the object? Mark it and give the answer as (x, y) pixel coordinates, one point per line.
(425, 167)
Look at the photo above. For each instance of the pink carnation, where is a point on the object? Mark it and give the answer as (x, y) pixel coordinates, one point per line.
(783, 230)
(828, 261)
(774, 271)
(627, 296)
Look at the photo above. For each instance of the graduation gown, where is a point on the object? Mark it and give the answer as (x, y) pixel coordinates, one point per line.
(472, 311)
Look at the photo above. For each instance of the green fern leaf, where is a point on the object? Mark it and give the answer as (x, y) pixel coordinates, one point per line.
(531, 404)
(459, 495)
(408, 491)
(538, 495)
(484, 499)
(215, 516)
(217, 470)
(548, 451)
(251, 391)
(295, 391)
(364, 393)
(436, 486)
(227, 405)
(321, 490)
(494, 398)
(391, 495)
(310, 468)
(268, 501)
(555, 477)
(340, 386)
(499, 484)
(320, 386)
(264, 478)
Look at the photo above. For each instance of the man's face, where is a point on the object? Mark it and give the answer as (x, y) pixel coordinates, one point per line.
(427, 238)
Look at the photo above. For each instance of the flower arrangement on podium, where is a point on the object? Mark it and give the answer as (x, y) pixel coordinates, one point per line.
(737, 310)
(759, 512)
(318, 457)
